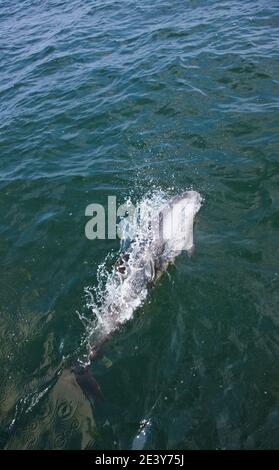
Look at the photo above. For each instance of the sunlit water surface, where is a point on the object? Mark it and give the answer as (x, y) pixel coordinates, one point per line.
(127, 98)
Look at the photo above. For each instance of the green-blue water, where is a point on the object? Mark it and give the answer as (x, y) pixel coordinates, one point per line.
(120, 98)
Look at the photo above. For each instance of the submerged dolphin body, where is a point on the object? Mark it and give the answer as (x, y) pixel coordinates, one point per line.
(156, 246)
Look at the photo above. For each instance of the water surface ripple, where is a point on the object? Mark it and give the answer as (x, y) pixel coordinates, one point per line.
(118, 97)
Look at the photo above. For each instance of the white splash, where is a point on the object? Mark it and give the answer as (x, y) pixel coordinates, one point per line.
(120, 291)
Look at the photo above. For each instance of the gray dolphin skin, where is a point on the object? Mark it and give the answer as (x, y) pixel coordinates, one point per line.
(167, 234)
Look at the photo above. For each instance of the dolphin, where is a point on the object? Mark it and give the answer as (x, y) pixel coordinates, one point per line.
(168, 232)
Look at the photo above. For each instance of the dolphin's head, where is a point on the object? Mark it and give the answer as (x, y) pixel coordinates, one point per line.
(178, 221)
(188, 197)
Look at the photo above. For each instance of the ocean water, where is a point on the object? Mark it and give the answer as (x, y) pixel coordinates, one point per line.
(126, 98)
